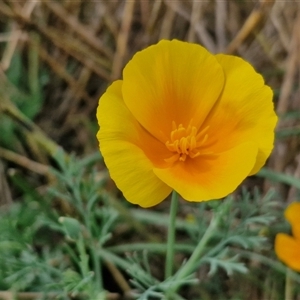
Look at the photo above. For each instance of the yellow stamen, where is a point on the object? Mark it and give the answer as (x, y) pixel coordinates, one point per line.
(185, 142)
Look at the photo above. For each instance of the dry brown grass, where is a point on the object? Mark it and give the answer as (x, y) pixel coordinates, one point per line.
(96, 38)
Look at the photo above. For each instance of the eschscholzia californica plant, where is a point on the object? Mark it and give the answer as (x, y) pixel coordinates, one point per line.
(186, 120)
(287, 247)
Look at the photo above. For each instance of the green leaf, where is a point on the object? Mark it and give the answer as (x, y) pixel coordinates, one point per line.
(279, 177)
(71, 227)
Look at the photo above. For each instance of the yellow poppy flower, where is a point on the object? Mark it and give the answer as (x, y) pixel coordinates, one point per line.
(287, 247)
(183, 119)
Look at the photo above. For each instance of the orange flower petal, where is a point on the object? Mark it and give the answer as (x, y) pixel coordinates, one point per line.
(122, 140)
(292, 214)
(171, 81)
(244, 111)
(288, 250)
(212, 177)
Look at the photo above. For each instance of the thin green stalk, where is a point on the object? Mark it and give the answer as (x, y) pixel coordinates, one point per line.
(97, 266)
(171, 236)
(84, 265)
(189, 267)
(95, 257)
(289, 286)
(150, 248)
(84, 258)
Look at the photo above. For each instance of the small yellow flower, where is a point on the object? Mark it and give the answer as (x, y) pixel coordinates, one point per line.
(287, 247)
(183, 119)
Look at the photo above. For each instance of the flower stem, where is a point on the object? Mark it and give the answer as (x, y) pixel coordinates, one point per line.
(97, 266)
(289, 285)
(171, 236)
(188, 268)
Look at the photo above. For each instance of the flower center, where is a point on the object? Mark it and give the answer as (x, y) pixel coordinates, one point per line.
(185, 142)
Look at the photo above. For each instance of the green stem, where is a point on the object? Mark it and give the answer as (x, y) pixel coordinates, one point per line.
(97, 266)
(84, 265)
(189, 267)
(289, 285)
(171, 236)
(93, 248)
(84, 258)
